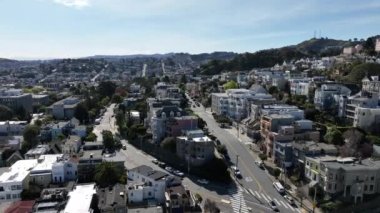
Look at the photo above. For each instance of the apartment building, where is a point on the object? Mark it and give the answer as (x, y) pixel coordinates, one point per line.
(12, 128)
(71, 145)
(236, 103)
(81, 198)
(87, 164)
(145, 184)
(313, 166)
(327, 96)
(300, 86)
(195, 147)
(351, 177)
(41, 174)
(371, 84)
(64, 109)
(259, 110)
(164, 90)
(65, 169)
(16, 99)
(15, 180)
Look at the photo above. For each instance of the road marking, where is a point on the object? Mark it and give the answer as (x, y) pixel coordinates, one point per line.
(284, 204)
(225, 201)
(257, 194)
(248, 179)
(290, 206)
(266, 199)
(274, 199)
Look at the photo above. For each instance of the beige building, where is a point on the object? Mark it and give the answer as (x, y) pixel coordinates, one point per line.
(351, 177)
(377, 46)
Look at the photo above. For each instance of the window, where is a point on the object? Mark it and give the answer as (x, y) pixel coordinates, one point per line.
(365, 187)
(14, 196)
(329, 186)
(13, 187)
(132, 194)
(19, 187)
(372, 178)
(150, 194)
(8, 196)
(335, 186)
(371, 188)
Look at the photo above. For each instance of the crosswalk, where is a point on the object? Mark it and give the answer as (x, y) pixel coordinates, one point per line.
(266, 198)
(237, 200)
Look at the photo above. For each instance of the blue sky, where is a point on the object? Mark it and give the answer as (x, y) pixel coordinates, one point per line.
(75, 28)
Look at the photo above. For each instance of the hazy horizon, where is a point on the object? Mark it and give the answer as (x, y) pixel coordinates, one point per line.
(50, 29)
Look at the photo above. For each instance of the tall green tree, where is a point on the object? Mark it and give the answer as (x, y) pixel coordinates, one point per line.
(230, 85)
(108, 139)
(30, 134)
(107, 174)
(333, 136)
(106, 89)
(81, 113)
(5, 113)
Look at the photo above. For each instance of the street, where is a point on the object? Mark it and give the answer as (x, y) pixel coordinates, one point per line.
(256, 183)
(108, 122)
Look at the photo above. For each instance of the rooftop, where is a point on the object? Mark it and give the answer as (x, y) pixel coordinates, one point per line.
(87, 154)
(108, 197)
(45, 163)
(39, 150)
(80, 199)
(114, 157)
(350, 164)
(18, 171)
(149, 172)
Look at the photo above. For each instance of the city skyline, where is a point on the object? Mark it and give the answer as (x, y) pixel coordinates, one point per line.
(78, 28)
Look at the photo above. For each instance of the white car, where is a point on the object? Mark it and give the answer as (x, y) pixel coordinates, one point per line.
(202, 181)
(289, 199)
(155, 161)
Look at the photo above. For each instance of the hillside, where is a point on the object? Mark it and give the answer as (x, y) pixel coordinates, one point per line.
(270, 57)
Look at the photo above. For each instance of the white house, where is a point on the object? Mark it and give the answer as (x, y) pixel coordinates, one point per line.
(146, 184)
(41, 174)
(64, 169)
(80, 199)
(16, 179)
(71, 145)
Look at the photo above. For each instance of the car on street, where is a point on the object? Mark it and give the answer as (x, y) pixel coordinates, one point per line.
(259, 163)
(155, 161)
(169, 169)
(202, 181)
(273, 205)
(124, 147)
(278, 186)
(178, 173)
(236, 171)
(162, 164)
(289, 199)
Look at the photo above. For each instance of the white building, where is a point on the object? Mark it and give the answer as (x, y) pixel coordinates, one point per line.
(64, 170)
(16, 179)
(365, 118)
(71, 145)
(80, 199)
(11, 128)
(377, 46)
(327, 96)
(41, 174)
(36, 152)
(146, 184)
(300, 86)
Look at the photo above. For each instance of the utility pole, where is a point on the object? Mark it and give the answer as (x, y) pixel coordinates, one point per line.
(315, 195)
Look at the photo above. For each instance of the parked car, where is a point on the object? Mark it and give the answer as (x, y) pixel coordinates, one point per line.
(202, 181)
(278, 186)
(289, 199)
(178, 173)
(155, 161)
(169, 169)
(273, 205)
(124, 147)
(162, 164)
(259, 163)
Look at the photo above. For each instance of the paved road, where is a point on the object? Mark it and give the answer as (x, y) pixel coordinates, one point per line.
(256, 184)
(108, 122)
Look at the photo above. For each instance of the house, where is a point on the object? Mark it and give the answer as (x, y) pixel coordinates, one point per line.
(71, 145)
(36, 152)
(81, 199)
(351, 177)
(52, 199)
(16, 156)
(195, 147)
(146, 184)
(87, 164)
(327, 96)
(371, 84)
(258, 110)
(80, 130)
(64, 109)
(60, 128)
(95, 145)
(12, 128)
(179, 199)
(303, 149)
(41, 174)
(15, 180)
(65, 169)
(178, 125)
(112, 199)
(16, 99)
(40, 100)
(313, 166)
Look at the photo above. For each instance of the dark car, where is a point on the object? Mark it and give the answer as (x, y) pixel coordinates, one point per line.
(273, 205)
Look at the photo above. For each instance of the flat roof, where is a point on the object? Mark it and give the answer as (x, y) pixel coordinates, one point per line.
(80, 199)
(18, 171)
(46, 163)
(95, 154)
(40, 149)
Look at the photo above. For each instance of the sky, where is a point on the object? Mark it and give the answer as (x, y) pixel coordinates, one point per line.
(44, 29)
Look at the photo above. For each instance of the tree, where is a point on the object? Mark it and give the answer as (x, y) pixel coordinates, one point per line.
(276, 172)
(333, 136)
(108, 139)
(301, 194)
(30, 134)
(5, 113)
(107, 174)
(117, 99)
(230, 85)
(183, 79)
(273, 90)
(211, 207)
(91, 137)
(81, 113)
(356, 144)
(169, 143)
(106, 89)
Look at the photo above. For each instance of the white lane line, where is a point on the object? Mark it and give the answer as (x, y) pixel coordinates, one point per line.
(257, 194)
(275, 200)
(299, 211)
(290, 206)
(266, 199)
(284, 204)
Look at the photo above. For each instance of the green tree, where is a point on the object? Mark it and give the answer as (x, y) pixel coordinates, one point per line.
(273, 90)
(108, 139)
(107, 174)
(169, 143)
(91, 137)
(230, 85)
(183, 79)
(333, 136)
(106, 89)
(276, 172)
(81, 113)
(5, 113)
(117, 99)
(30, 134)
